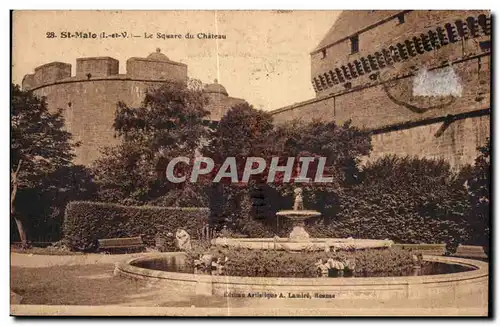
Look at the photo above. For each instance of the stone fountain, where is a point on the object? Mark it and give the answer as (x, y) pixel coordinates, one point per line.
(299, 239)
(210, 278)
(298, 216)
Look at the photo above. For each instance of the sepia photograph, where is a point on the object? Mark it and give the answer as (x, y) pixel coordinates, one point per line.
(270, 163)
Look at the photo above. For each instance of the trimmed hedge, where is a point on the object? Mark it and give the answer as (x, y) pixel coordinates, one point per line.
(86, 222)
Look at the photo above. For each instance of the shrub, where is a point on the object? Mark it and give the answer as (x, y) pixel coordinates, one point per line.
(276, 263)
(404, 199)
(86, 222)
(478, 184)
(252, 228)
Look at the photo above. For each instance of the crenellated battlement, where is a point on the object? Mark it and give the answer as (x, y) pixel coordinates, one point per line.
(89, 97)
(399, 43)
(371, 66)
(155, 67)
(50, 73)
(97, 67)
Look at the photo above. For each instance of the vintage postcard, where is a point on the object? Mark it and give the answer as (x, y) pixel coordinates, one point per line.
(250, 163)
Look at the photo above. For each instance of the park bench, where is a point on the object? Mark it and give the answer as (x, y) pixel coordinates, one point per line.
(128, 244)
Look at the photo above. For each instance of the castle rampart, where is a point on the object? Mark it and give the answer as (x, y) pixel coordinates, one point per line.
(142, 68)
(405, 41)
(89, 98)
(367, 67)
(97, 67)
(51, 72)
(156, 68)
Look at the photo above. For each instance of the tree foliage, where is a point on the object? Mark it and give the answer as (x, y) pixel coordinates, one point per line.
(38, 140)
(242, 132)
(169, 123)
(169, 119)
(478, 184)
(41, 156)
(245, 132)
(343, 147)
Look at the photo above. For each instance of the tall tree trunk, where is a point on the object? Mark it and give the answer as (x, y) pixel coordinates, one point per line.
(20, 227)
(22, 232)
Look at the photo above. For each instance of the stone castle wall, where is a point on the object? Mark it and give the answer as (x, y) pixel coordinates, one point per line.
(379, 95)
(219, 104)
(89, 98)
(89, 110)
(426, 38)
(374, 87)
(456, 143)
(98, 66)
(392, 102)
(142, 68)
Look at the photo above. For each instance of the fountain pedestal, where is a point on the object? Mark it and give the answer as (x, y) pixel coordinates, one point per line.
(299, 234)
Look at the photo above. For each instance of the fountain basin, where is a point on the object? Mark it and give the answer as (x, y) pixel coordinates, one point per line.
(312, 244)
(450, 287)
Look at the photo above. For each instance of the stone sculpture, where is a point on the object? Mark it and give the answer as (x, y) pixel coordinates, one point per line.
(183, 240)
(298, 203)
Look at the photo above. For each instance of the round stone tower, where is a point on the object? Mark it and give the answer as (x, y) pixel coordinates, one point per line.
(90, 97)
(219, 100)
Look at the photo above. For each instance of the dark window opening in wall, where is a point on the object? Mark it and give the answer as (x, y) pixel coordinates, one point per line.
(354, 44)
(323, 53)
(485, 46)
(401, 18)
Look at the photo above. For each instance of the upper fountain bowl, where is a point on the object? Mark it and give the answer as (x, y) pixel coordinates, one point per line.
(304, 212)
(298, 214)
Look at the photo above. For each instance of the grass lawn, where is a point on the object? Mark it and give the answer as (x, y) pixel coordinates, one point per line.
(96, 285)
(92, 284)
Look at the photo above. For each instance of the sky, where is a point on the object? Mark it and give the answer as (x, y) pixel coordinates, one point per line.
(264, 58)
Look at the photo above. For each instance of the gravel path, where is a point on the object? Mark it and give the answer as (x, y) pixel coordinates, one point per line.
(31, 260)
(31, 310)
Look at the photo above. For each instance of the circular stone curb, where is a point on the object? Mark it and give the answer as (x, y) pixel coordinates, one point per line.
(449, 286)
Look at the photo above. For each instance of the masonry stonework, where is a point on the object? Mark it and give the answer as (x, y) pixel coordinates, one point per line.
(367, 66)
(98, 66)
(364, 70)
(456, 144)
(89, 98)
